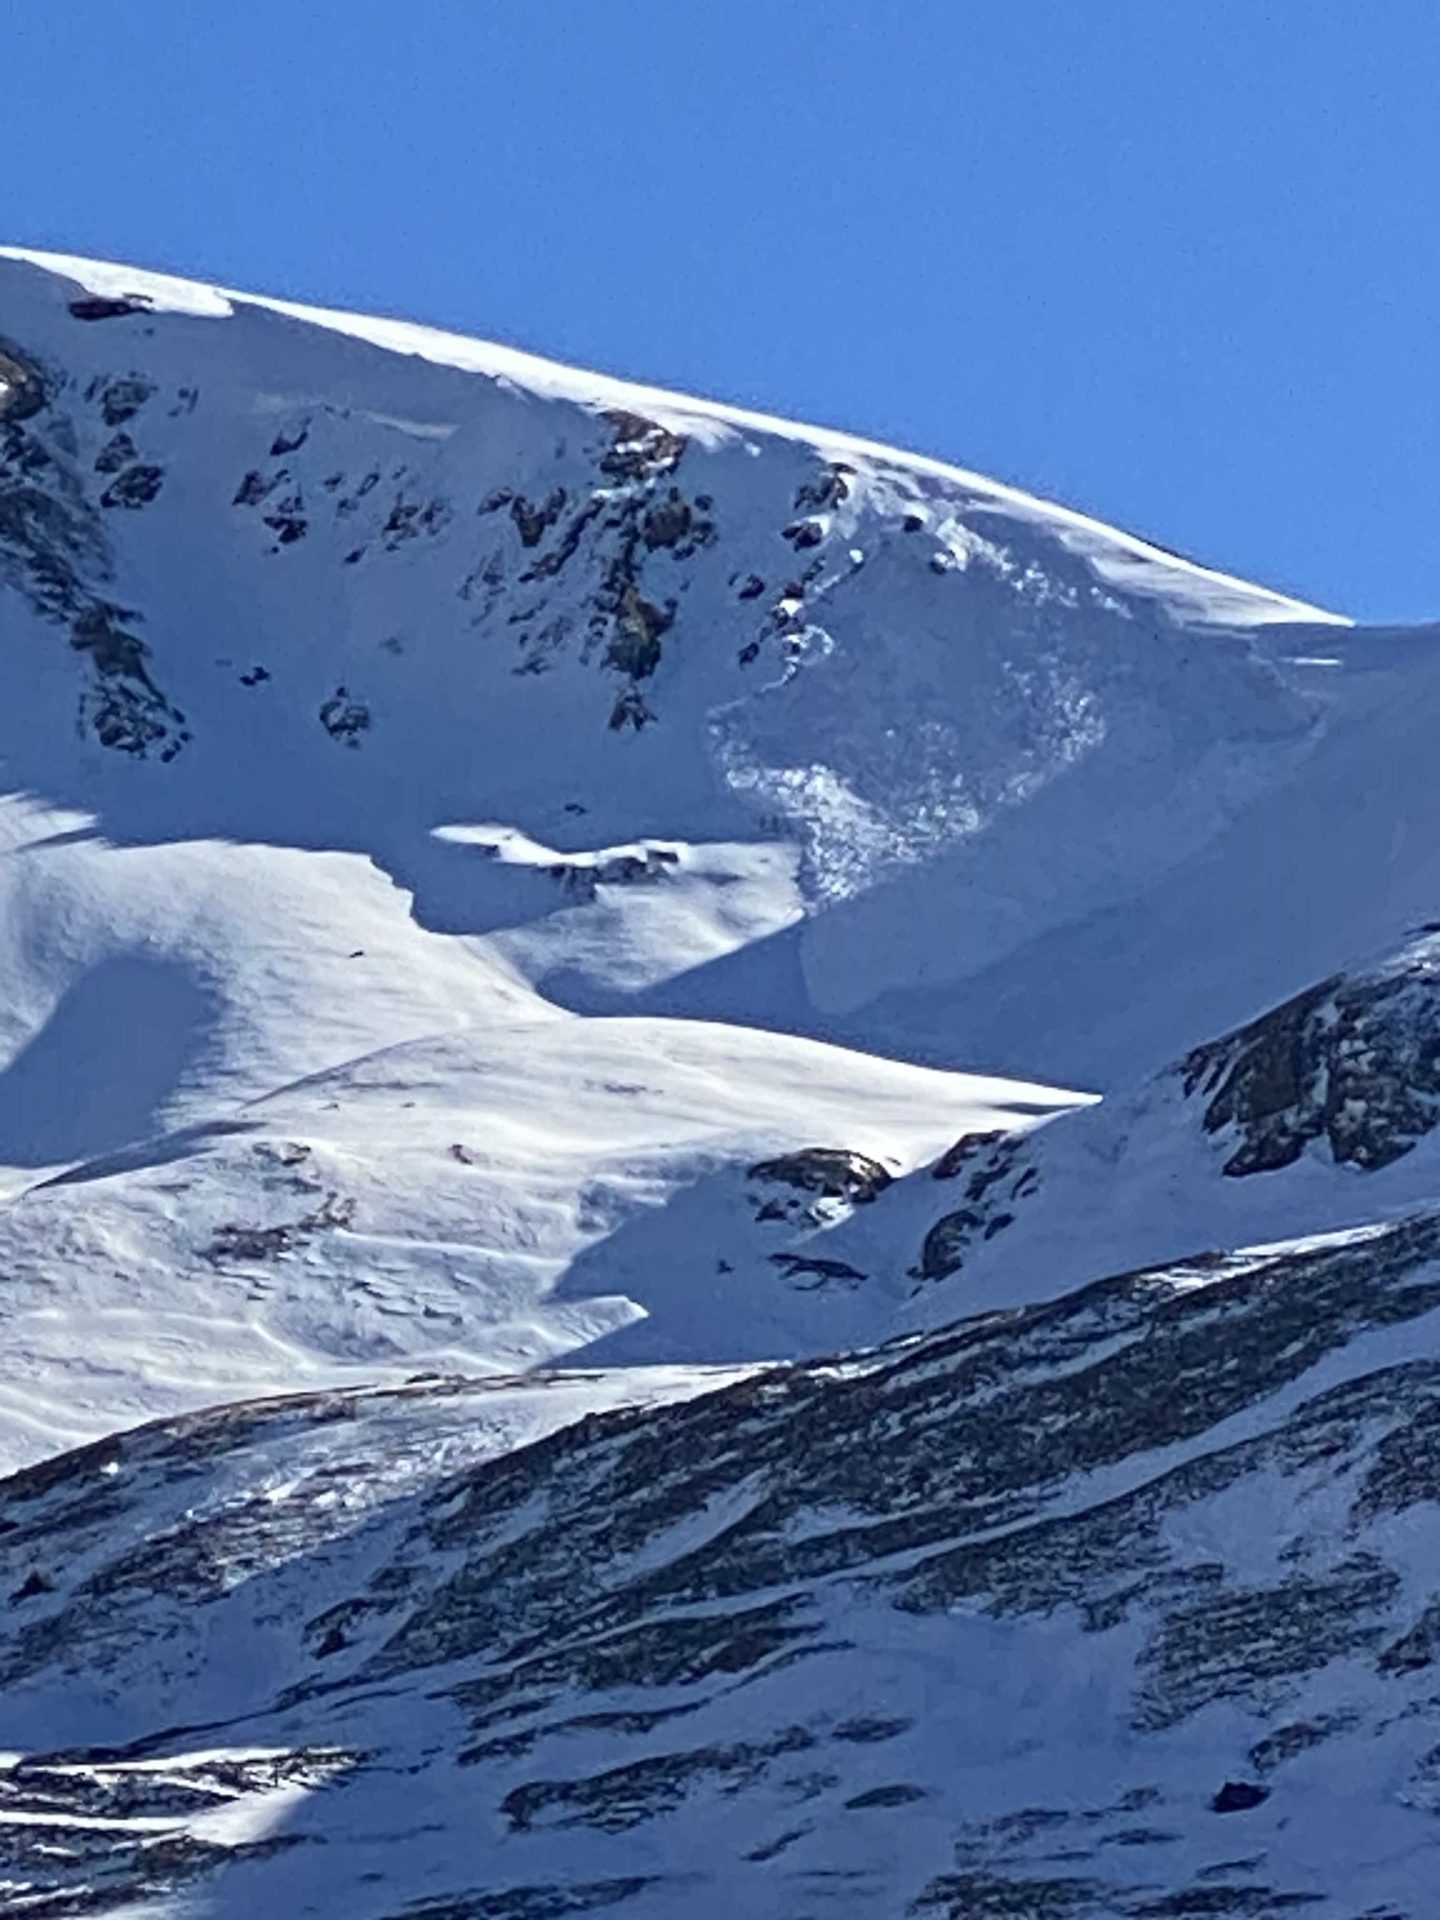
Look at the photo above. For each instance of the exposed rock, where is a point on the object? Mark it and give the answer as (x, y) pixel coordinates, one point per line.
(22, 389)
(668, 522)
(998, 1173)
(635, 647)
(287, 527)
(254, 488)
(630, 710)
(819, 1270)
(121, 397)
(119, 451)
(967, 1148)
(828, 490)
(804, 533)
(97, 306)
(345, 718)
(1353, 1064)
(835, 1173)
(641, 449)
(136, 486)
(125, 710)
(945, 1244)
(1071, 1463)
(533, 522)
(1239, 1796)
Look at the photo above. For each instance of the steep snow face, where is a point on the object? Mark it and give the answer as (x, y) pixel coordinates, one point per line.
(877, 726)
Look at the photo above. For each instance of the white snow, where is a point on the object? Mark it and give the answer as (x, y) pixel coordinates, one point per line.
(1129, 562)
(477, 1022)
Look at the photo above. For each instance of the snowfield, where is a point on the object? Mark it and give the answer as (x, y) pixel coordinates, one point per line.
(577, 1337)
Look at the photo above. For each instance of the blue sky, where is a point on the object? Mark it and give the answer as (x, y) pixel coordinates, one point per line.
(1176, 262)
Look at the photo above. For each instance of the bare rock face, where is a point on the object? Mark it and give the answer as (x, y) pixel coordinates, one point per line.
(55, 548)
(1352, 1064)
(832, 1173)
(999, 1171)
(22, 387)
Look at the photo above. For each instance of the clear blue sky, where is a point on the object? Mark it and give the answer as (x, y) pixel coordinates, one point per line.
(1176, 262)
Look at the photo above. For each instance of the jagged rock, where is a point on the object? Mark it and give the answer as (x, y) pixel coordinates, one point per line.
(943, 1252)
(641, 449)
(1239, 1796)
(287, 527)
(125, 710)
(1353, 1063)
(835, 1173)
(121, 397)
(630, 710)
(103, 307)
(1035, 1478)
(668, 522)
(827, 491)
(804, 533)
(137, 486)
(119, 451)
(254, 488)
(635, 647)
(345, 718)
(967, 1148)
(533, 522)
(22, 389)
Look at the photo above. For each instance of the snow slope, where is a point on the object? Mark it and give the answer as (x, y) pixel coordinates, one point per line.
(526, 901)
(911, 728)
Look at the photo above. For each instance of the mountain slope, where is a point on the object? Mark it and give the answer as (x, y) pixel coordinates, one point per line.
(543, 927)
(975, 1625)
(886, 700)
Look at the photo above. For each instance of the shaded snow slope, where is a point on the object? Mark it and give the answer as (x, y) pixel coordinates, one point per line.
(1318, 1115)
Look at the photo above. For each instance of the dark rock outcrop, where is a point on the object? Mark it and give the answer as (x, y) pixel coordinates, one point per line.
(1352, 1064)
(833, 1173)
(1239, 1796)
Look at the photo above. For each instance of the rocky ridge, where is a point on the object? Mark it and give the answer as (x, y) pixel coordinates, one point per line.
(699, 1635)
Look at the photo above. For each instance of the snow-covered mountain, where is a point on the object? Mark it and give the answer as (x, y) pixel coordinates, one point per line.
(545, 928)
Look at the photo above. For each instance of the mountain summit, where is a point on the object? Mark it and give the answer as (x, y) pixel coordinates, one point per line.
(577, 1336)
